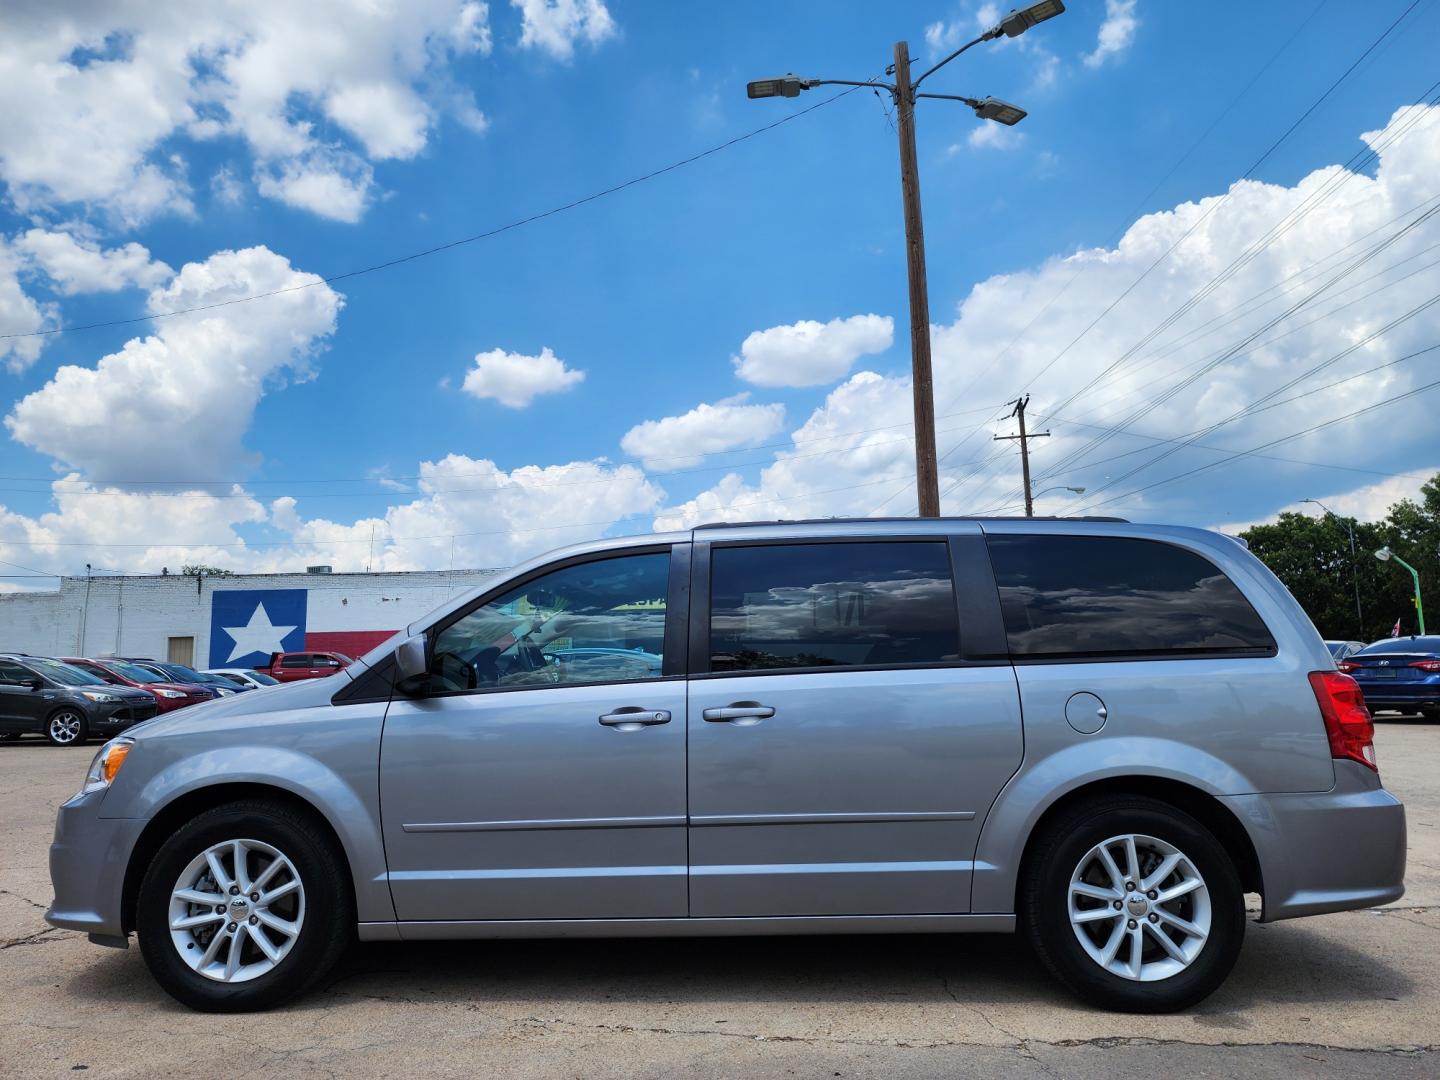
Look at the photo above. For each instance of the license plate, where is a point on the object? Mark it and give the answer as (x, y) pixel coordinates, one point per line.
(1380, 673)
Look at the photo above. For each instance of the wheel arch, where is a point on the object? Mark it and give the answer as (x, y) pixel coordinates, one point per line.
(1201, 805)
(189, 805)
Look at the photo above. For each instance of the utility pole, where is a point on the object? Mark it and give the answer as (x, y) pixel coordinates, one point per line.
(905, 91)
(1019, 414)
(927, 469)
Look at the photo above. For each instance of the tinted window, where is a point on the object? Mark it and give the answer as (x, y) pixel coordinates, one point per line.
(593, 622)
(66, 675)
(138, 674)
(13, 673)
(261, 678)
(831, 605)
(1096, 596)
(296, 660)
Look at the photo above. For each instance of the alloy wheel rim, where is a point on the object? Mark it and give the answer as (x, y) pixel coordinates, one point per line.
(1139, 907)
(236, 910)
(65, 727)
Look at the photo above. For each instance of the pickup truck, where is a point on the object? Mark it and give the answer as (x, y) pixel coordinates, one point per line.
(293, 666)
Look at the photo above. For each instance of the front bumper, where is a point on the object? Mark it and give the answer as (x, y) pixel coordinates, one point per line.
(87, 866)
(1335, 850)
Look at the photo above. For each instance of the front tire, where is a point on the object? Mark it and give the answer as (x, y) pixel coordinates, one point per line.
(1133, 905)
(66, 727)
(244, 908)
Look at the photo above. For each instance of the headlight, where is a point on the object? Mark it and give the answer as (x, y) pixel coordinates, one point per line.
(170, 693)
(220, 692)
(98, 695)
(106, 764)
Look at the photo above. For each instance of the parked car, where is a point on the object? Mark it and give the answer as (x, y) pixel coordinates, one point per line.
(42, 696)
(168, 695)
(1340, 650)
(1399, 673)
(1101, 735)
(213, 684)
(293, 666)
(246, 677)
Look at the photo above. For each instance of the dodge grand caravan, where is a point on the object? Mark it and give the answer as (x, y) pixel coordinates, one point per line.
(1098, 734)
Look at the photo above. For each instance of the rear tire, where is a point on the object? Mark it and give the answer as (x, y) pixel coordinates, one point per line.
(66, 727)
(1133, 905)
(209, 932)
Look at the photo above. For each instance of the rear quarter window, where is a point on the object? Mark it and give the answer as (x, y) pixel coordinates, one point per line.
(1095, 597)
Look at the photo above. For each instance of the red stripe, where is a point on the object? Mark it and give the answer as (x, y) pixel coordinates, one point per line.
(350, 642)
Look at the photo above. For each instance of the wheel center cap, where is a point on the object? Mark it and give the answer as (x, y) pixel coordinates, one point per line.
(1138, 905)
(239, 907)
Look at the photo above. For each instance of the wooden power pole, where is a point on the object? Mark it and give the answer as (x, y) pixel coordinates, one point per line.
(927, 471)
(1024, 438)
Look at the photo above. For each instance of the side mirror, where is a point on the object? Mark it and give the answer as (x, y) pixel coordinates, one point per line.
(411, 664)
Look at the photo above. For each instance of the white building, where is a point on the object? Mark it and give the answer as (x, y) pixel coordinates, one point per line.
(222, 621)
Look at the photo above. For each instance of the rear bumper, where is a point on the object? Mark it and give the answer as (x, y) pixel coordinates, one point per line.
(1327, 851)
(1381, 695)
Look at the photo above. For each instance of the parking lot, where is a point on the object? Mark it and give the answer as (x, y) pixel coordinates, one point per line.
(1355, 994)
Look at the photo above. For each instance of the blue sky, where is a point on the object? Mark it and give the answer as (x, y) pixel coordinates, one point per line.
(319, 142)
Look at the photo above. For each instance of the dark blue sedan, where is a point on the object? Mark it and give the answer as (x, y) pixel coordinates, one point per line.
(1399, 673)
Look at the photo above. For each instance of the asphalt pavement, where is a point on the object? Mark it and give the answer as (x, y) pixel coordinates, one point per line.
(1350, 995)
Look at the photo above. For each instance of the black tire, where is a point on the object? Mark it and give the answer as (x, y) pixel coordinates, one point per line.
(61, 722)
(329, 906)
(1054, 856)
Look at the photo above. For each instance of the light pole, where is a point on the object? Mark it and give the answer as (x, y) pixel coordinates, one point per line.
(1354, 561)
(1385, 555)
(905, 91)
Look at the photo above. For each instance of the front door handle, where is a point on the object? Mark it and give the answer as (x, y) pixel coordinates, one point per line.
(633, 718)
(739, 713)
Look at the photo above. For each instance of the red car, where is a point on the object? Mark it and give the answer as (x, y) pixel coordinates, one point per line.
(293, 666)
(168, 695)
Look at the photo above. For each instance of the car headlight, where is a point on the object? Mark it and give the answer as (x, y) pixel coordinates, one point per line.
(98, 695)
(172, 694)
(221, 692)
(107, 764)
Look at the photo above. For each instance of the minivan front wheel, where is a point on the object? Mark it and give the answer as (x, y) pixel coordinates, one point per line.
(243, 908)
(1133, 905)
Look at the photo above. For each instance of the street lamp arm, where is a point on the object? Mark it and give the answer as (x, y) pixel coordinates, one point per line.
(972, 102)
(988, 35)
(808, 83)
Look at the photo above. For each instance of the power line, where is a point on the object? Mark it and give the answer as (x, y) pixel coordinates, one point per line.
(437, 249)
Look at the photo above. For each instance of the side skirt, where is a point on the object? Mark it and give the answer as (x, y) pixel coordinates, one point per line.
(607, 928)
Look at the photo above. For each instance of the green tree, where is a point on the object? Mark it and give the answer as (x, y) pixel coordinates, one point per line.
(201, 570)
(1311, 555)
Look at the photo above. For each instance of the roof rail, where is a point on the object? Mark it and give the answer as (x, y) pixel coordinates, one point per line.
(886, 520)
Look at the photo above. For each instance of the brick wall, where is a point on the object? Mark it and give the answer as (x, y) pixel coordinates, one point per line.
(137, 616)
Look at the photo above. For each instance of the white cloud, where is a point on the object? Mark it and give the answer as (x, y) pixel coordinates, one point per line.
(992, 136)
(554, 26)
(20, 313)
(75, 265)
(677, 442)
(808, 353)
(177, 404)
(996, 347)
(95, 91)
(227, 187)
(1116, 34)
(515, 380)
(1369, 503)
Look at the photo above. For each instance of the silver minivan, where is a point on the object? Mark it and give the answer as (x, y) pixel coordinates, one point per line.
(1102, 735)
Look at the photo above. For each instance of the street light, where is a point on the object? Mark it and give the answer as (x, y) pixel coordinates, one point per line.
(1385, 555)
(1063, 487)
(1354, 559)
(904, 92)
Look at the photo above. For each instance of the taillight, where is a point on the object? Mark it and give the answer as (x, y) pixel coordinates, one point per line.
(1427, 665)
(1348, 666)
(1347, 721)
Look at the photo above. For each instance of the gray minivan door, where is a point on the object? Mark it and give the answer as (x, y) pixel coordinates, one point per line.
(843, 752)
(542, 773)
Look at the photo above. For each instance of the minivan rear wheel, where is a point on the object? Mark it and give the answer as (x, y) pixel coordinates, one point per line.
(245, 907)
(1133, 905)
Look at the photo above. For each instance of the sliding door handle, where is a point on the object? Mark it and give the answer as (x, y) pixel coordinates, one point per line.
(739, 713)
(632, 718)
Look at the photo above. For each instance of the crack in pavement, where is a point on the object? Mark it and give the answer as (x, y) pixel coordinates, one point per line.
(24, 899)
(39, 937)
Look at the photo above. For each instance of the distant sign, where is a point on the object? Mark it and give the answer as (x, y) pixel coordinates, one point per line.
(247, 625)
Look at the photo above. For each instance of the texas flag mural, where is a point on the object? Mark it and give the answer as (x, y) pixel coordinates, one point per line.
(247, 625)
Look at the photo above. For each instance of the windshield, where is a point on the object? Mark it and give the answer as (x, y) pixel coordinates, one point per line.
(136, 674)
(185, 674)
(261, 678)
(66, 674)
